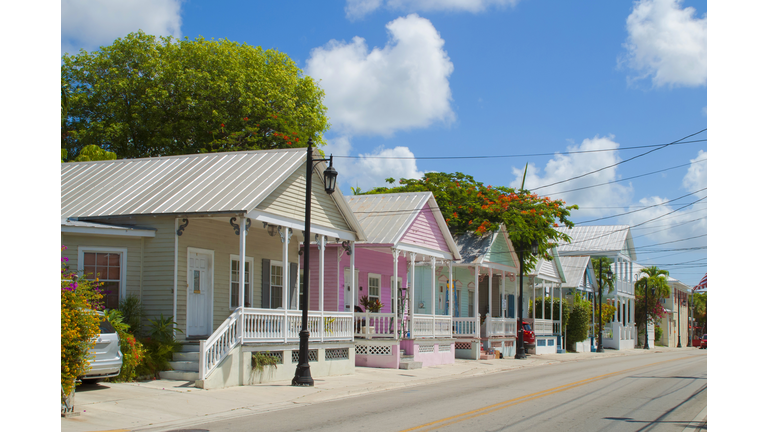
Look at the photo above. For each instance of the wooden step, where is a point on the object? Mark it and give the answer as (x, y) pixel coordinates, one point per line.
(185, 366)
(179, 375)
(186, 356)
(409, 364)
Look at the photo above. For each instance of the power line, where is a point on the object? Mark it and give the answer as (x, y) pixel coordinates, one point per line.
(643, 208)
(519, 155)
(619, 163)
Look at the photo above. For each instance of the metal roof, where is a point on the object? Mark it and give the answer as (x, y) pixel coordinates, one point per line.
(596, 240)
(232, 182)
(85, 227)
(473, 247)
(573, 269)
(385, 218)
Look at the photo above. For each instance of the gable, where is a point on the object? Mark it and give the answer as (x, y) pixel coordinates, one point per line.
(425, 231)
(499, 252)
(289, 200)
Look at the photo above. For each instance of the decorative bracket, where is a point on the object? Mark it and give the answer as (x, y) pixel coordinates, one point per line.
(285, 235)
(347, 246)
(237, 226)
(180, 231)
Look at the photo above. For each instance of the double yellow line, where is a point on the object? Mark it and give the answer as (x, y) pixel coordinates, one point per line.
(516, 401)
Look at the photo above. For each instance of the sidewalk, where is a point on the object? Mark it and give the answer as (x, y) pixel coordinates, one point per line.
(163, 404)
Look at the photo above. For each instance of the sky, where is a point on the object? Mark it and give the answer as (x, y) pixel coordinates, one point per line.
(584, 93)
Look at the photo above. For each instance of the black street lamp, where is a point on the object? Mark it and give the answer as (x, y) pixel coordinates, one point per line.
(645, 321)
(679, 318)
(609, 273)
(520, 352)
(303, 377)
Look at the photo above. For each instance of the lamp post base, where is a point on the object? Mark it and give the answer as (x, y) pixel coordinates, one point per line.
(303, 377)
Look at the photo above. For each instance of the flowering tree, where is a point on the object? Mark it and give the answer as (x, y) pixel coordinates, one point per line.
(79, 324)
(469, 205)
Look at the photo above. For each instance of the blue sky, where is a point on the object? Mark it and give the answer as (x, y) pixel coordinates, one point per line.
(488, 78)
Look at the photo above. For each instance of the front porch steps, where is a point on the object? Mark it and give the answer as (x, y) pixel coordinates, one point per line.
(407, 362)
(185, 364)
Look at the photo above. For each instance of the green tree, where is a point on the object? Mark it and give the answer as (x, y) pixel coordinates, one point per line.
(146, 96)
(94, 153)
(578, 322)
(699, 308)
(470, 206)
(655, 278)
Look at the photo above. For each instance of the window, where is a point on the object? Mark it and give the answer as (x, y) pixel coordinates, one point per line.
(374, 286)
(234, 281)
(108, 266)
(276, 286)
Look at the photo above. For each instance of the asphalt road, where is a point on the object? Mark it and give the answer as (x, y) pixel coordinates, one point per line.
(656, 392)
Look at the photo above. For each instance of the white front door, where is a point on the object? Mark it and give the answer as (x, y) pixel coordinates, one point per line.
(349, 291)
(199, 293)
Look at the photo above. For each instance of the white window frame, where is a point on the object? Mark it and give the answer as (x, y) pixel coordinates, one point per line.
(249, 260)
(377, 277)
(470, 303)
(280, 265)
(81, 250)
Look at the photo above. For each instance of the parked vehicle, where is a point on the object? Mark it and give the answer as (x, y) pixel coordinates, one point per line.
(529, 337)
(106, 357)
(703, 344)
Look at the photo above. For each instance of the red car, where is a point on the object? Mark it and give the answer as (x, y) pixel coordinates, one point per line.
(529, 337)
(703, 342)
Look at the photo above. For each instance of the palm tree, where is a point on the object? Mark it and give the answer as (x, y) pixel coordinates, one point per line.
(655, 278)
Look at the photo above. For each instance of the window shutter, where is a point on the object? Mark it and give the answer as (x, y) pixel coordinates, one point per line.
(266, 268)
(293, 286)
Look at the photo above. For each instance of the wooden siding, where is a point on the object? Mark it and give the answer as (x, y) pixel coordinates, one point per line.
(289, 200)
(500, 252)
(425, 232)
(370, 261)
(219, 236)
(331, 280)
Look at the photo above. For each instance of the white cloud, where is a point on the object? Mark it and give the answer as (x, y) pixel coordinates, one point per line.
(686, 223)
(89, 24)
(401, 86)
(567, 166)
(368, 171)
(668, 43)
(357, 9)
(696, 178)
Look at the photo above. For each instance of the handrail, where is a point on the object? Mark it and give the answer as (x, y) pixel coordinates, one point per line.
(215, 349)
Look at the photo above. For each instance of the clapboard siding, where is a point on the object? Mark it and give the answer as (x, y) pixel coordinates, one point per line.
(133, 245)
(500, 252)
(289, 200)
(330, 280)
(371, 261)
(220, 237)
(425, 231)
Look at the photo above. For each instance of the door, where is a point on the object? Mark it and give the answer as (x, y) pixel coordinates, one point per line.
(199, 293)
(349, 290)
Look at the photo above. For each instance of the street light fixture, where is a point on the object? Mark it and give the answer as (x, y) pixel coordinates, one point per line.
(609, 274)
(679, 318)
(303, 377)
(520, 351)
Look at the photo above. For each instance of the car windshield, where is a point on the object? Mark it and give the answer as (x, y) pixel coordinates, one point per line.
(526, 326)
(106, 327)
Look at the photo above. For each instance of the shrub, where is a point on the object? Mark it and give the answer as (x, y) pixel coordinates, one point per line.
(658, 332)
(132, 313)
(579, 320)
(133, 350)
(80, 298)
(160, 346)
(548, 313)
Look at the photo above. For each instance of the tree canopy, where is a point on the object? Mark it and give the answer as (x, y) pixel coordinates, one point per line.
(658, 288)
(469, 205)
(146, 96)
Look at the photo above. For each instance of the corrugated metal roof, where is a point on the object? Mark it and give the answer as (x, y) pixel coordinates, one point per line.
(386, 217)
(185, 184)
(574, 268)
(595, 239)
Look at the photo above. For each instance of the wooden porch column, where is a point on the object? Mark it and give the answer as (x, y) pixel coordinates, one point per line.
(285, 237)
(552, 301)
(321, 285)
(412, 295)
(353, 285)
(503, 311)
(395, 292)
(434, 279)
(451, 303)
(477, 301)
(241, 278)
(490, 293)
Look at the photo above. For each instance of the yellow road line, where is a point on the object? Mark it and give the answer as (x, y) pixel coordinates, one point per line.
(518, 400)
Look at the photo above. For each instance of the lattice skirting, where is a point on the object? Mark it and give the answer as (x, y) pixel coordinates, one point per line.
(426, 348)
(384, 350)
(444, 347)
(312, 356)
(463, 345)
(337, 353)
(276, 354)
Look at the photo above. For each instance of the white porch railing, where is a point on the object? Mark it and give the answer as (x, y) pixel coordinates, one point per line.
(465, 326)
(500, 327)
(546, 327)
(270, 325)
(375, 325)
(430, 326)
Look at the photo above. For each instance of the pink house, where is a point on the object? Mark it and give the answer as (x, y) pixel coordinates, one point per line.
(403, 231)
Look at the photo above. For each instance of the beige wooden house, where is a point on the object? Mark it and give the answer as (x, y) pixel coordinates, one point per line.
(184, 233)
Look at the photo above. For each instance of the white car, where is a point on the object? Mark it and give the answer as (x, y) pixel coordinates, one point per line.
(106, 357)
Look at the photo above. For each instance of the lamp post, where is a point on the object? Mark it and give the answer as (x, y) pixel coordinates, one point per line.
(520, 352)
(609, 273)
(303, 377)
(645, 321)
(679, 318)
